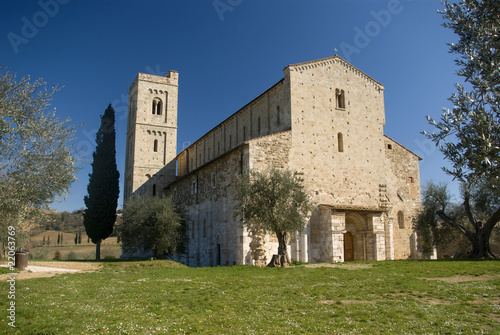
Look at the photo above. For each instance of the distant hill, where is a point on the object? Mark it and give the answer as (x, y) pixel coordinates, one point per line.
(63, 221)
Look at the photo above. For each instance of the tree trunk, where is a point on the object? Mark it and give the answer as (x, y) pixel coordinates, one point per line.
(481, 244)
(98, 250)
(281, 259)
(277, 261)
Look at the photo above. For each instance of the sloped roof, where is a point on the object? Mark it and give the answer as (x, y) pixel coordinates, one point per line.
(331, 60)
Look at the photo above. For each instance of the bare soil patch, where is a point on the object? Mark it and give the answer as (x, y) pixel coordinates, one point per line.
(347, 266)
(465, 278)
(50, 269)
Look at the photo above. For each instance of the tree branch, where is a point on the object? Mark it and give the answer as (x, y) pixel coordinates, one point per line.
(492, 221)
(452, 223)
(468, 211)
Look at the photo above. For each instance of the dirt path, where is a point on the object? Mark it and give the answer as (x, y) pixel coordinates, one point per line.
(49, 269)
(347, 266)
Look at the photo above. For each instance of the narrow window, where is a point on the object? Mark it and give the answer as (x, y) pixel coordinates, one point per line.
(154, 190)
(258, 126)
(241, 162)
(230, 140)
(340, 98)
(159, 107)
(340, 140)
(155, 146)
(154, 106)
(401, 220)
(278, 116)
(194, 188)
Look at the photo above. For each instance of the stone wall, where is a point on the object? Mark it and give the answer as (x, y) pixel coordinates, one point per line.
(206, 194)
(403, 193)
(267, 114)
(339, 148)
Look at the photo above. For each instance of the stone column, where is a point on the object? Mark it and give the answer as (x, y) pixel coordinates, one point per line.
(337, 229)
(304, 244)
(376, 237)
(389, 239)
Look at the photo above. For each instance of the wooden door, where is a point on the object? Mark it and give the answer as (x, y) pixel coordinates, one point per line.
(348, 247)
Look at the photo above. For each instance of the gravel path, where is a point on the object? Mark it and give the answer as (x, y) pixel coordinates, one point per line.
(49, 269)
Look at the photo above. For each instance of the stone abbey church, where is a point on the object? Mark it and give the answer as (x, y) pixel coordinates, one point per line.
(325, 122)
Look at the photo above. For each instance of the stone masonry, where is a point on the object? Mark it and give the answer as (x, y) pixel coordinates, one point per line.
(324, 121)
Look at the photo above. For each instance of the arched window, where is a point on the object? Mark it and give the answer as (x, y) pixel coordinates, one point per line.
(155, 146)
(157, 106)
(401, 220)
(154, 190)
(340, 141)
(340, 98)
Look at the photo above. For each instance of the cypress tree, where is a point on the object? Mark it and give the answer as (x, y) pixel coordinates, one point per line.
(103, 189)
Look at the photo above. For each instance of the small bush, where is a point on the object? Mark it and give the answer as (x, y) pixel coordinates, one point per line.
(57, 256)
(39, 254)
(71, 255)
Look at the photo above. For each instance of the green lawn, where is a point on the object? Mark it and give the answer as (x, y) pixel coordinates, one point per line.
(155, 297)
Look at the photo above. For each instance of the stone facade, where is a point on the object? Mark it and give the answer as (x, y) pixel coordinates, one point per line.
(324, 120)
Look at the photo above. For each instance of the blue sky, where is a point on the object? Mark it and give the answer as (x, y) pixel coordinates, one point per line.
(227, 52)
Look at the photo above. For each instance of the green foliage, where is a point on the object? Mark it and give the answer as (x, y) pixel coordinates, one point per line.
(152, 224)
(64, 221)
(36, 160)
(274, 201)
(432, 232)
(469, 134)
(103, 189)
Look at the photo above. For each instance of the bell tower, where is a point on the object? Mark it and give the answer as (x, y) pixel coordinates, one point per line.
(151, 133)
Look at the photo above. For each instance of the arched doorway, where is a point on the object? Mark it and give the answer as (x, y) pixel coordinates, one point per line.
(355, 237)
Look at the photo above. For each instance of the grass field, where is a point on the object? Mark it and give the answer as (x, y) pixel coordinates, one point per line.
(162, 297)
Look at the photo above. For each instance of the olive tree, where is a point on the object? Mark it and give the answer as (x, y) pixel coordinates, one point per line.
(273, 201)
(152, 224)
(37, 163)
(469, 134)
